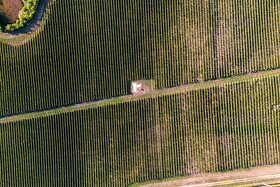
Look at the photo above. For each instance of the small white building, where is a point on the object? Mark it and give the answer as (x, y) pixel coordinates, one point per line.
(136, 87)
(141, 86)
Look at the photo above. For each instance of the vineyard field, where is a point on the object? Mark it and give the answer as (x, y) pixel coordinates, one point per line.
(90, 50)
(219, 128)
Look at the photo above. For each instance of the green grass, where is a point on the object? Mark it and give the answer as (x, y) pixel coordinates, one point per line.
(91, 50)
(219, 128)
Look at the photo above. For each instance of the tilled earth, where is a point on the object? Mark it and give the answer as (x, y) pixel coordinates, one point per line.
(9, 10)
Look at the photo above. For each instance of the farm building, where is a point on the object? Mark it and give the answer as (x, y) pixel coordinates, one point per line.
(141, 86)
(137, 87)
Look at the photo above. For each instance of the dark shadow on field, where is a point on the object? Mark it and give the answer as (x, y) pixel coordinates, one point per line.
(42, 152)
(97, 147)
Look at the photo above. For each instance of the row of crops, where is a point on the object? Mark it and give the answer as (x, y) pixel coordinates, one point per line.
(90, 50)
(233, 125)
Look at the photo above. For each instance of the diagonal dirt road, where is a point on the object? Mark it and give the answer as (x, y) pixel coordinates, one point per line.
(237, 181)
(237, 177)
(127, 98)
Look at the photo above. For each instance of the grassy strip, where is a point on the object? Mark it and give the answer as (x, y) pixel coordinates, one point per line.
(153, 94)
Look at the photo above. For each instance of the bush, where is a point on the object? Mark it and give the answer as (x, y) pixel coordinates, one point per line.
(25, 15)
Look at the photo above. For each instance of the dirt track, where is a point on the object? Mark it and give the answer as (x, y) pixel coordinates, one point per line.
(222, 179)
(127, 98)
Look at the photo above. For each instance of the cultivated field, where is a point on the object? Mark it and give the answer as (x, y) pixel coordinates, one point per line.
(90, 50)
(224, 127)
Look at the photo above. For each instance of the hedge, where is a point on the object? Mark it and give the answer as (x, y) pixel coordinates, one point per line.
(25, 15)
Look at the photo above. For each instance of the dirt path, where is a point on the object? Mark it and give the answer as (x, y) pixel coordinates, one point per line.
(221, 179)
(127, 98)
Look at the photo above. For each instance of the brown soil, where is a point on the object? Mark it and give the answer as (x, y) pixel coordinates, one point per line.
(9, 10)
(221, 179)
